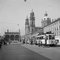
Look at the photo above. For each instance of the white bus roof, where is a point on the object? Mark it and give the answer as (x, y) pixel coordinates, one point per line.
(40, 35)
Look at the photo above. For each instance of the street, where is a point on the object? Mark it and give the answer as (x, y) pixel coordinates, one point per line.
(18, 52)
(52, 53)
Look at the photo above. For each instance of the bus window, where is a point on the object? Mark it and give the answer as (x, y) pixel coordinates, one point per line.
(41, 37)
(51, 37)
(38, 37)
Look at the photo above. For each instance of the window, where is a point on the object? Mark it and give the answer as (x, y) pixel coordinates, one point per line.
(55, 33)
(51, 37)
(55, 29)
(59, 21)
(40, 37)
(59, 26)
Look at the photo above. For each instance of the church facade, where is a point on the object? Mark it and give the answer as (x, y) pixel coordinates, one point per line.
(30, 27)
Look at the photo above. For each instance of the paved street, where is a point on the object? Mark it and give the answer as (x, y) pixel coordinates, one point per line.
(52, 53)
(18, 52)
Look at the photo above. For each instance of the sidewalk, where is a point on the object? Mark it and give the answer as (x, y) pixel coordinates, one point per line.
(52, 53)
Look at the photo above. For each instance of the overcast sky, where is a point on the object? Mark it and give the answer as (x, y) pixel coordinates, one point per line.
(14, 12)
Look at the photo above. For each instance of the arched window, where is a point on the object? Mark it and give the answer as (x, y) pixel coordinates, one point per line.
(7, 37)
(16, 37)
(12, 37)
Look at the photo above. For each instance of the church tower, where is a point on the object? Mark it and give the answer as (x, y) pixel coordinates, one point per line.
(46, 20)
(32, 22)
(27, 26)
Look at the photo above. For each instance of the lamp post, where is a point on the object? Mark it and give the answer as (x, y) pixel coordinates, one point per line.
(19, 33)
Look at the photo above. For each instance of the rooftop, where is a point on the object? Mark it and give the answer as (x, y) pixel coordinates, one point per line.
(58, 19)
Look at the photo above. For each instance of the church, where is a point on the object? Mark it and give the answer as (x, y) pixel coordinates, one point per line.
(30, 27)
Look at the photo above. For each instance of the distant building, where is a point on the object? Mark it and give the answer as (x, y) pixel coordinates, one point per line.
(12, 36)
(27, 28)
(38, 30)
(30, 27)
(54, 27)
(46, 20)
(32, 23)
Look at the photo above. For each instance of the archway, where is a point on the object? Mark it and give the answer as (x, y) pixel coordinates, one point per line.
(16, 37)
(7, 37)
(12, 37)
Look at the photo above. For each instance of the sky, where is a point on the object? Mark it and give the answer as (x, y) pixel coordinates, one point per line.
(14, 12)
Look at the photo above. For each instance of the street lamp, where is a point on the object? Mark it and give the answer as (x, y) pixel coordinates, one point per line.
(19, 33)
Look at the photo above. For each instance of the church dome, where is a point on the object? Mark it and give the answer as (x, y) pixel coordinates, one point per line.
(45, 14)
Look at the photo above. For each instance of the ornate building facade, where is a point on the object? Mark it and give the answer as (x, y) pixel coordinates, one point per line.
(47, 25)
(27, 28)
(46, 20)
(11, 36)
(30, 27)
(54, 27)
(32, 22)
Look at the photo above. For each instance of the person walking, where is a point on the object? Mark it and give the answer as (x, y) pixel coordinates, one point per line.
(0, 43)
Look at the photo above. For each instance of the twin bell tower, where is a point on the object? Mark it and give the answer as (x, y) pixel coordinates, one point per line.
(30, 24)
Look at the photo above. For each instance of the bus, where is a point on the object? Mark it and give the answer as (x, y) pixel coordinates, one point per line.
(40, 39)
(50, 40)
(46, 39)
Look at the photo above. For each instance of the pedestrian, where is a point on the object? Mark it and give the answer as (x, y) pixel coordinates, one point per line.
(41, 43)
(5, 43)
(0, 44)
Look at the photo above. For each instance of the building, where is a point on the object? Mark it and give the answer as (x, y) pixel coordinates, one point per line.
(38, 30)
(27, 28)
(54, 27)
(11, 36)
(30, 27)
(46, 20)
(32, 23)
